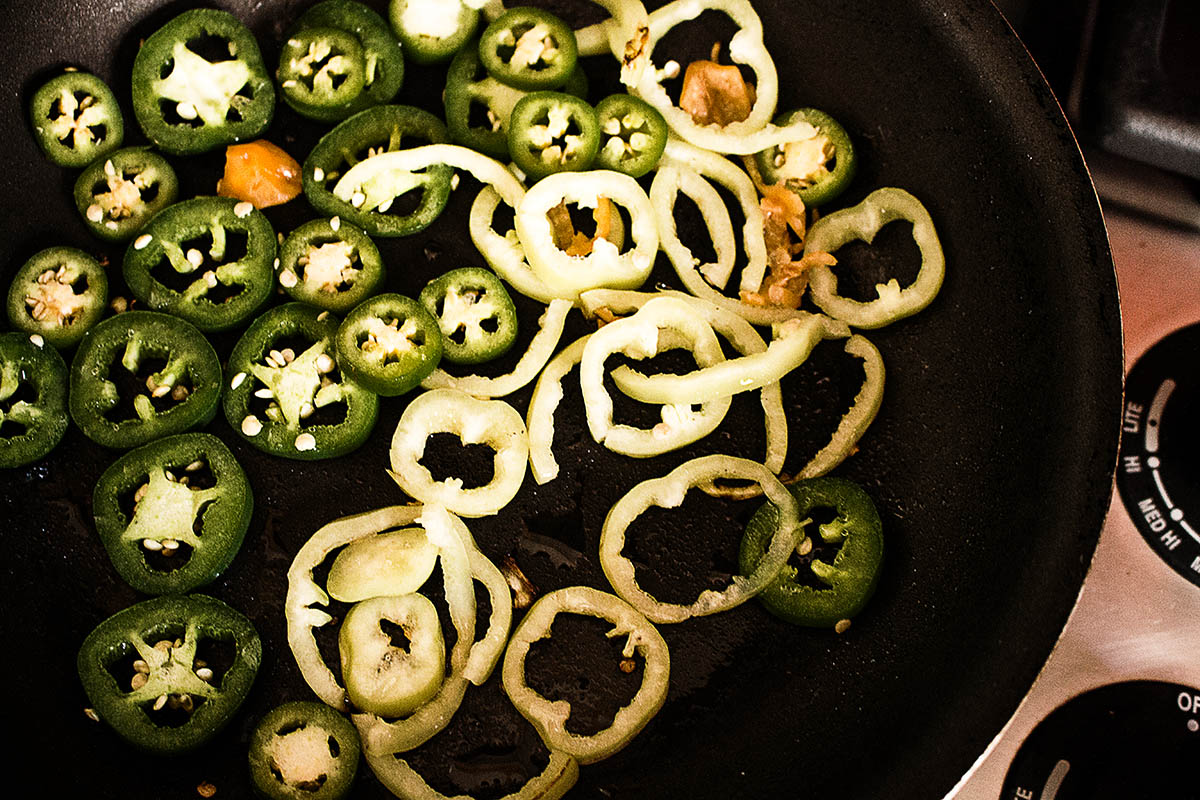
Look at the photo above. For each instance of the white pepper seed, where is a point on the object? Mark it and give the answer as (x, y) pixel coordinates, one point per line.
(243, 209)
(251, 426)
(237, 380)
(306, 441)
(142, 241)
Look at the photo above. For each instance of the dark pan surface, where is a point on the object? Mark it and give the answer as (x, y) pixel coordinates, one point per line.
(991, 459)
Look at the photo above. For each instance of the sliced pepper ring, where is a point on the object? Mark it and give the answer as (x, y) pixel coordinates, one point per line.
(528, 48)
(541, 348)
(402, 780)
(803, 165)
(382, 55)
(187, 104)
(550, 717)
(605, 266)
(633, 135)
(642, 336)
(295, 387)
(669, 491)
(476, 316)
(432, 31)
(490, 422)
(167, 512)
(301, 745)
(183, 394)
(862, 222)
(551, 132)
(750, 135)
(164, 634)
(331, 264)
(76, 119)
(240, 286)
(33, 427)
(58, 294)
(365, 199)
(117, 195)
(504, 253)
(322, 71)
(852, 576)
(389, 344)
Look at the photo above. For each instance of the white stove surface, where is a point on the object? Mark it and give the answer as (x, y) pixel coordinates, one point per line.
(1136, 618)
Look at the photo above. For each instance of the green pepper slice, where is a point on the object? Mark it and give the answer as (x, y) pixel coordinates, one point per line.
(168, 700)
(432, 31)
(553, 132)
(118, 194)
(76, 119)
(852, 576)
(382, 58)
(471, 93)
(186, 103)
(330, 264)
(372, 132)
(182, 262)
(58, 294)
(817, 168)
(322, 72)
(382, 678)
(474, 312)
(181, 391)
(181, 532)
(529, 49)
(633, 135)
(303, 750)
(296, 404)
(389, 344)
(33, 399)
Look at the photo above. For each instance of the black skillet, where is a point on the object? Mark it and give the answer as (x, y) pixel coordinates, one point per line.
(991, 459)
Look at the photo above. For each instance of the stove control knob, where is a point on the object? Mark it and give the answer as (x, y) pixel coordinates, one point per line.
(1139, 739)
(1158, 476)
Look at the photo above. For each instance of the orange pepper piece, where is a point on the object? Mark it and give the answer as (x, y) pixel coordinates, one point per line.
(260, 173)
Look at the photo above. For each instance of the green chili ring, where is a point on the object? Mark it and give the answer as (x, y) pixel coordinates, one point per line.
(510, 31)
(366, 198)
(215, 103)
(669, 492)
(117, 195)
(43, 297)
(248, 279)
(212, 522)
(474, 312)
(851, 577)
(86, 128)
(42, 420)
(633, 133)
(303, 744)
(640, 336)
(796, 340)
(862, 222)
(192, 372)
(552, 132)
(491, 422)
(331, 264)
(389, 344)
(382, 54)
(431, 31)
(332, 61)
(605, 266)
(550, 717)
(540, 349)
(823, 185)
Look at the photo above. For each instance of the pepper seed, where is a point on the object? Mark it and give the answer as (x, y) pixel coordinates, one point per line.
(306, 441)
(139, 680)
(142, 241)
(179, 393)
(325, 363)
(842, 626)
(264, 393)
(288, 279)
(153, 545)
(141, 666)
(251, 426)
(195, 466)
(160, 702)
(289, 355)
(91, 714)
(195, 257)
(95, 213)
(335, 223)
(37, 340)
(243, 209)
(204, 673)
(318, 174)
(237, 380)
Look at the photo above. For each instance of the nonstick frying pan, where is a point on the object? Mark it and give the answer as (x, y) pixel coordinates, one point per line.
(990, 461)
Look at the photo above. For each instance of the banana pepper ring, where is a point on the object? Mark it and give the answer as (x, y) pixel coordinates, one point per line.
(669, 492)
(550, 717)
(642, 336)
(491, 422)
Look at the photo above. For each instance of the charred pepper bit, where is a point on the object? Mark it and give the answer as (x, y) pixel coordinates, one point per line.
(523, 590)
